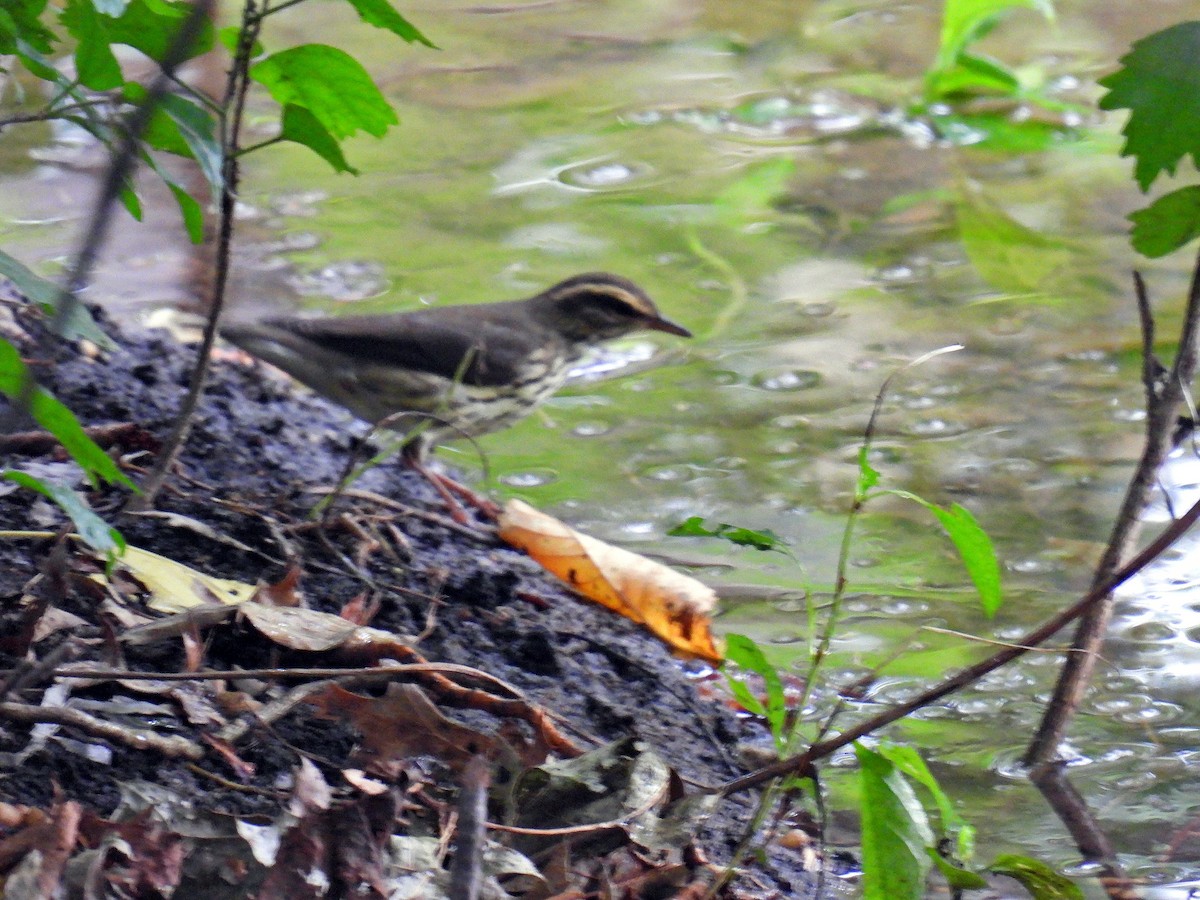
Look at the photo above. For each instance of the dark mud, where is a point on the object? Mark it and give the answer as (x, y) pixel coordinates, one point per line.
(257, 451)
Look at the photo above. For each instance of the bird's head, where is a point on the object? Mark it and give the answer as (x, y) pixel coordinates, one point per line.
(598, 306)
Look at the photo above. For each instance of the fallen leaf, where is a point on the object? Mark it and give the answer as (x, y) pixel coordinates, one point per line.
(673, 606)
(400, 725)
(173, 586)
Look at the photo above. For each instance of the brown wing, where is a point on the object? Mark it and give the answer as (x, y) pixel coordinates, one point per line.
(482, 346)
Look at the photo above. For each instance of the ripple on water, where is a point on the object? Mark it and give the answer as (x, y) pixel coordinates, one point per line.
(529, 478)
(608, 175)
(786, 380)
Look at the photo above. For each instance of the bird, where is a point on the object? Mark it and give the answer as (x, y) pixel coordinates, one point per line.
(454, 371)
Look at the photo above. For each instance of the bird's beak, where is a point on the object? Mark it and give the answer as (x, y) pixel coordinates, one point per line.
(658, 323)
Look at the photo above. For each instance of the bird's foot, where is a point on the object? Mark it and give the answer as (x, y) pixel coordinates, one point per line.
(452, 491)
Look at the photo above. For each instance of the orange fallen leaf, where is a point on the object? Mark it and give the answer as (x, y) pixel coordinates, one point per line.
(673, 606)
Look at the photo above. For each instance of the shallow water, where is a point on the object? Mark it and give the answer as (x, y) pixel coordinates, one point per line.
(744, 163)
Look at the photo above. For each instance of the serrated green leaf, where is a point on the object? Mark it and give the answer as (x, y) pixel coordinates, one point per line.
(59, 421)
(95, 532)
(46, 294)
(895, 831)
(330, 84)
(1168, 223)
(1042, 882)
(302, 127)
(381, 14)
(1159, 83)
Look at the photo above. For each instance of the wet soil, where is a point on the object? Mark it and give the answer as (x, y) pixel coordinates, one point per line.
(259, 453)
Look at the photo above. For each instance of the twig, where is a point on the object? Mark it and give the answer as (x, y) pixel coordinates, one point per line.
(1164, 396)
(466, 868)
(235, 100)
(135, 738)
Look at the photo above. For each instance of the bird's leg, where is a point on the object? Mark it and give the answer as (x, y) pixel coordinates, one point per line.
(413, 455)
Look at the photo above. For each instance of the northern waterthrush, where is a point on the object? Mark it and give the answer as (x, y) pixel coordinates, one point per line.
(454, 370)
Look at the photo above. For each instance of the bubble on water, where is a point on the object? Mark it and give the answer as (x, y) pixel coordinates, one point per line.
(529, 478)
(787, 380)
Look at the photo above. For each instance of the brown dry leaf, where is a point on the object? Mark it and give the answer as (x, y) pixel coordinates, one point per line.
(317, 632)
(673, 606)
(401, 724)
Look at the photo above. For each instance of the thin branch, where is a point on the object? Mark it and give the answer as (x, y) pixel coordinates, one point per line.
(1164, 397)
(801, 763)
(237, 87)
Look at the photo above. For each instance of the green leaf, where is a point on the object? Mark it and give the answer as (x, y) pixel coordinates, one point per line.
(909, 761)
(47, 295)
(1168, 223)
(974, 547)
(94, 531)
(191, 211)
(330, 84)
(20, 23)
(131, 201)
(95, 65)
(152, 28)
(895, 831)
(977, 552)
(973, 75)
(744, 652)
(301, 126)
(745, 537)
(1012, 257)
(59, 421)
(868, 477)
(1042, 882)
(195, 126)
(381, 14)
(966, 21)
(956, 876)
(1160, 86)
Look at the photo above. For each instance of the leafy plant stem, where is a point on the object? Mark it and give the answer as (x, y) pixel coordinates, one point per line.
(115, 179)
(801, 763)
